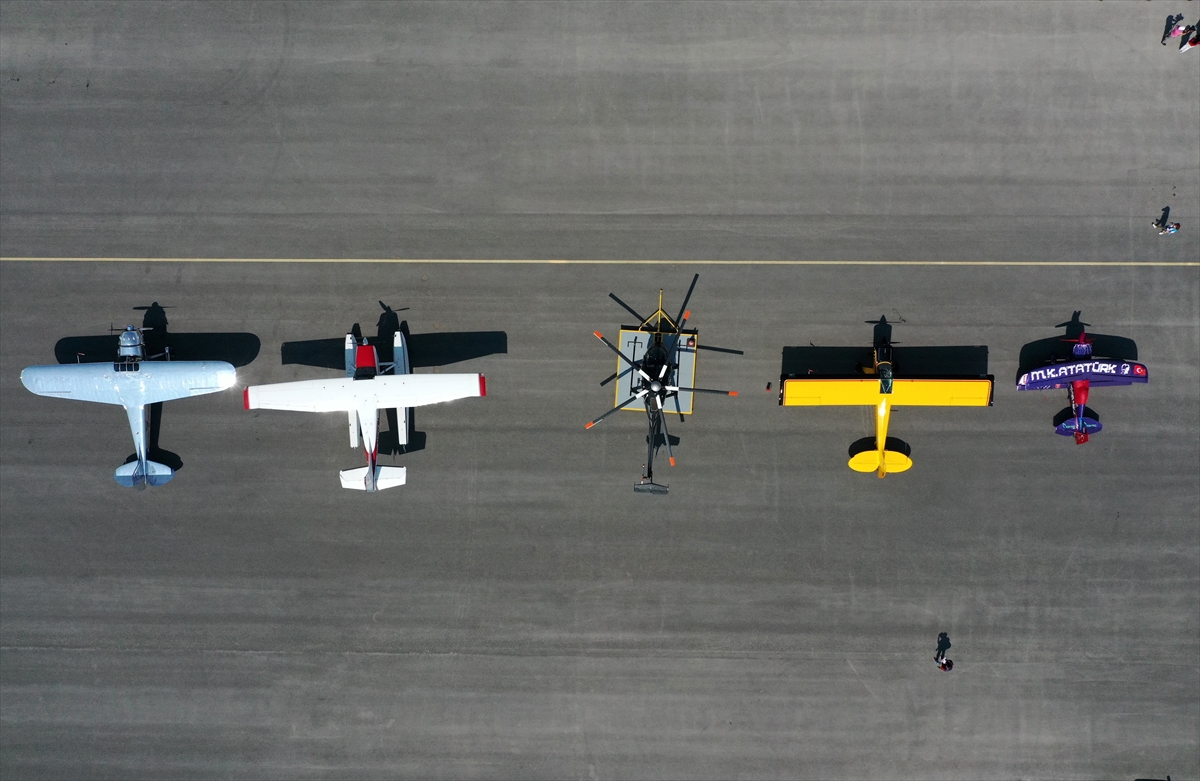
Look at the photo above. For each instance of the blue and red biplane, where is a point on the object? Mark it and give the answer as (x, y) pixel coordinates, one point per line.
(1093, 360)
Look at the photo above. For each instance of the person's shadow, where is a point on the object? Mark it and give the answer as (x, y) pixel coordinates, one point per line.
(1166, 215)
(943, 645)
(1172, 20)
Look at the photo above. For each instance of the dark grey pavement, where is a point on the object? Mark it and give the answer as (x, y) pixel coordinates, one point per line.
(515, 610)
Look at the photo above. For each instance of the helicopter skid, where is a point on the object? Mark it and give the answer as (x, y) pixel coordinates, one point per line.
(649, 487)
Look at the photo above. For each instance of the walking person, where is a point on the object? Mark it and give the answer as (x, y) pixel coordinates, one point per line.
(1161, 222)
(1170, 227)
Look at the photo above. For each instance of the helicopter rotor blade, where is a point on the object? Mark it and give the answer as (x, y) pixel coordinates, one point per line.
(678, 409)
(615, 376)
(613, 347)
(627, 308)
(680, 318)
(719, 349)
(617, 408)
(676, 389)
(662, 420)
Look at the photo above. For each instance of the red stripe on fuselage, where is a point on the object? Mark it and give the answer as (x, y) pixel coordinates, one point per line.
(1079, 392)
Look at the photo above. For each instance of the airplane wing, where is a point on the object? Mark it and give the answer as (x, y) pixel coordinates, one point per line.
(905, 393)
(129, 385)
(1097, 372)
(341, 394)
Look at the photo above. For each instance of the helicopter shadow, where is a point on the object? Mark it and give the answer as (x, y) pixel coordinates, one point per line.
(659, 440)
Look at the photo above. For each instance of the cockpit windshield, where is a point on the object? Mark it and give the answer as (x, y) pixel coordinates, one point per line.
(885, 378)
(883, 367)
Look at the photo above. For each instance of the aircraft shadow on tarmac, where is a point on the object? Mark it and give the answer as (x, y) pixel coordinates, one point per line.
(236, 348)
(1058, 348)
(424, 350)
(388, 442)
(920, 361)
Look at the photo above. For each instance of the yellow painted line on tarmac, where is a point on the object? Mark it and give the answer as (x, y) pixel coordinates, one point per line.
(552, 262)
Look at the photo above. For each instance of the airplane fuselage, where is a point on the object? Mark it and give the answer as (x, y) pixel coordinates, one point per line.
(362, 364)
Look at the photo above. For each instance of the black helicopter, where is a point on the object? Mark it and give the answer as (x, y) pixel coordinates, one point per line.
(656, 375)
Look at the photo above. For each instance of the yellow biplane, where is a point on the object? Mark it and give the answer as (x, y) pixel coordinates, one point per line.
(883, 377)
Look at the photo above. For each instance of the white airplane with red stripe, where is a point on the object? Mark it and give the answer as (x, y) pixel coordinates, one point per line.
(368, 387)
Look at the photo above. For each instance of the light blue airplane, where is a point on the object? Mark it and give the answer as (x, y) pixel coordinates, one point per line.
(135, 384)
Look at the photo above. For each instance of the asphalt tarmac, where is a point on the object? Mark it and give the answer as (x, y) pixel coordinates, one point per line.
(516, 610)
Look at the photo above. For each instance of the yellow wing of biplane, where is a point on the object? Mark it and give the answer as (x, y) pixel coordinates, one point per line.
(905, 393)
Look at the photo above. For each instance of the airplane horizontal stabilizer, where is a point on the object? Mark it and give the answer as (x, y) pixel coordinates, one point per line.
(869, 461)
(864, 457)
(385, 477)
(1066, 424)
(130, 475)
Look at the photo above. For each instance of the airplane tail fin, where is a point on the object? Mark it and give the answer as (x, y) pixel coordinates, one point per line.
(131, 475)
(385, 477)
(865, 457)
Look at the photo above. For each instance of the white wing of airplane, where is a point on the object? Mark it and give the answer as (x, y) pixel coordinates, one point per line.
(362, 399)
(343, 394)
(134, 386)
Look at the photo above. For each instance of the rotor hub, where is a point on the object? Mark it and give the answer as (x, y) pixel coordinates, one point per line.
(656, 386)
